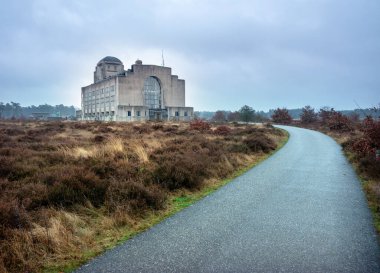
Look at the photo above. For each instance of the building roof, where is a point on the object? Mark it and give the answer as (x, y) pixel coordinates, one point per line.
(110, 59)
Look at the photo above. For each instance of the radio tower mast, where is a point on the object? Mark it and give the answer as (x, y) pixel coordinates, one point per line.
(163, 61)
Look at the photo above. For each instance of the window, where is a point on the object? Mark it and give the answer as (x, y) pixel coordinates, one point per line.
(138, 113)
(177, 114)
(185, 113)
(152, 93)
(129, 113)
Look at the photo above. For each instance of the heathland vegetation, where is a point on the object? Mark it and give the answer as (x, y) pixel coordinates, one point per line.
(69, 190)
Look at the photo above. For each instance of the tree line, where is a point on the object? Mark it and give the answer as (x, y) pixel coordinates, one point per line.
(14, 110)
(306, 114)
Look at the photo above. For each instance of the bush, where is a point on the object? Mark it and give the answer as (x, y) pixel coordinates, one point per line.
(14, 169)
(239, 148)
(71, 185)
(12, 215)
(371, 130)
(308, 115)
(177, 171)
(200, 125)
(99, 138)
(134, 196)
(339, 122)
(260, 143)
(281, 116)
(222, 130)
(157, 126)
(370, 166)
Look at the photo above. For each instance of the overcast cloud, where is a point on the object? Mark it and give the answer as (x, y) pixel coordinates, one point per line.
(265, 54)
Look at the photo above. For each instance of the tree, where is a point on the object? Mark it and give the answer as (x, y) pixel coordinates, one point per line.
(339, 122)
(233, 116)
(16, 109)
(219, 116)
(2, 109)
(354, 117)
(246, 113)
(325, 114)
(281, 116)
(308, 115)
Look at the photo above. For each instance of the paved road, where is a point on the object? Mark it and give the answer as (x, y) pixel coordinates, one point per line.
(302, 210)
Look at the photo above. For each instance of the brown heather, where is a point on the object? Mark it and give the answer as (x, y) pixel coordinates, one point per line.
(69, 190)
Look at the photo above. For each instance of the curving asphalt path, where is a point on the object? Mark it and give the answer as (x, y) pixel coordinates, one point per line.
(301, 210)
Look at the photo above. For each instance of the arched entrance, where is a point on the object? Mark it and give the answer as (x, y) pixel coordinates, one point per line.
(152, 98)
(152, 93)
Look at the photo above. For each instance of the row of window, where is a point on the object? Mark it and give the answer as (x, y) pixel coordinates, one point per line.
(100, 92)
(112, 113)
(100, 100)
(138, 114)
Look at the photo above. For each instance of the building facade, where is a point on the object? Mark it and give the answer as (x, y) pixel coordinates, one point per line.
(143, 92)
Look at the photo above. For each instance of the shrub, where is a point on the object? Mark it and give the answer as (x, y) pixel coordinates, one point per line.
(15, 169)
(179, 171)
(70, 185)
(99, 138)
(12, 215)
(308, 115)
(143, 128)
(260, 143)
(369, 166)
(325, 114)
(222, 130)
(157, 126)
(339, 122)
(170, 129)
(135, 196)
(239, 148)
(281, 116)
(371, 129)
(200, 125)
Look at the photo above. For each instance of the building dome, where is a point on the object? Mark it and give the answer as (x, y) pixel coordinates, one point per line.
(138, 62)
(110, 60)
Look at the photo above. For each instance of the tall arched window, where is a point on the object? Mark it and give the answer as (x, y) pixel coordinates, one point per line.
(152, 93)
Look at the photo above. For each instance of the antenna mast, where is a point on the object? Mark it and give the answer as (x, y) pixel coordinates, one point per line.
(163, 61)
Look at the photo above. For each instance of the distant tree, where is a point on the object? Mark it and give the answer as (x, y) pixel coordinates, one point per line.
(233, 116)
(308, 115)
(2, 109)
(246, 113)
(354, 117)
(16, 109)
(325, 113)
(339, 122)
(376, 110)
(219, 116)
(281, 116)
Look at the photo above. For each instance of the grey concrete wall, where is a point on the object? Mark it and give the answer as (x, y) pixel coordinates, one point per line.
(106, 70)
(129, 93)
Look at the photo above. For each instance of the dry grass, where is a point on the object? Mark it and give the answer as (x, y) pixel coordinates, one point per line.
(68, 190)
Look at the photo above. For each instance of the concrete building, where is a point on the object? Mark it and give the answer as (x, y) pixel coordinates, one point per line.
(144, 92)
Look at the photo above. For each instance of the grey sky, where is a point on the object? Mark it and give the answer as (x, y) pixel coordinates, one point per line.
(265, 54)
